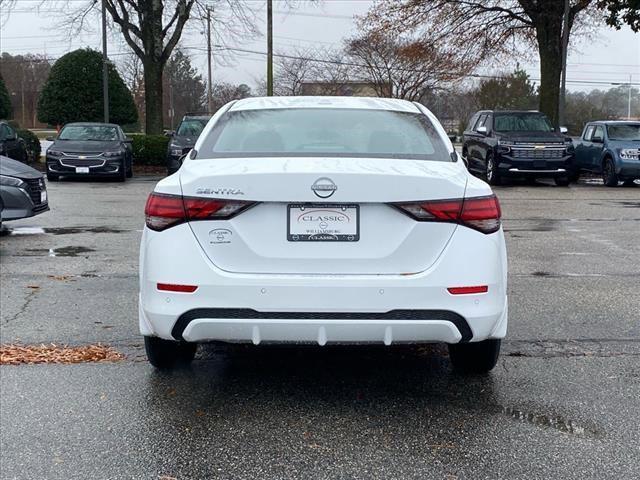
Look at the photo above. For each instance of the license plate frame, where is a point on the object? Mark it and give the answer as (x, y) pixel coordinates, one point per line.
(321, 236)
(83, 170)
(43, 196)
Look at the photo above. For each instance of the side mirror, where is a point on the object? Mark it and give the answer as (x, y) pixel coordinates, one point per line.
(563, 130)
(51, 139)
(482, 130)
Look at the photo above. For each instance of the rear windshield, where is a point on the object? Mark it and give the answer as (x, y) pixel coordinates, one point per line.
(624, 131)
(191, 127)
(324, 132)
(521, 122)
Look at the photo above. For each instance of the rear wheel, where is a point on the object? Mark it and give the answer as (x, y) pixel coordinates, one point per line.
(164, 354)
(130, 171)
(475, 357)
(562, 181)
(492, 175)
(609, 175)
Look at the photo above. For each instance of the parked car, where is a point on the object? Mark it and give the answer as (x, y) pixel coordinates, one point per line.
(11, 145)
(90, 149)
(323, 220)
(612, 149)
(23, 192)
(499, 144)
(184, 138)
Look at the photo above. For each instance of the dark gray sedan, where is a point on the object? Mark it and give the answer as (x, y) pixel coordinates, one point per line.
(90, 149)
(23, 192)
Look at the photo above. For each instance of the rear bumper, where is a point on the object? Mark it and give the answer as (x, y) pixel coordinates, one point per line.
(257, 308)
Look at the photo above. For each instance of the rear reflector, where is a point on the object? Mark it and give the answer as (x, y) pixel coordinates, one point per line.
(163, 210)
(468, 290)
(480, 213)
(170, 287)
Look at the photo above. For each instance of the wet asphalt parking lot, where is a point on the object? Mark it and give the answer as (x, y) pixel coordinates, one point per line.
(563, 402)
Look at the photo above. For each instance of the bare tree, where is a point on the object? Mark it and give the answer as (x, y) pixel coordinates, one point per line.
(492, 28)
(405, 68)
(24, 76)
(152, 29)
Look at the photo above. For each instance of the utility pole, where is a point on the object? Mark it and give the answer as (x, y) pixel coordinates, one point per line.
(105, 65)
(22, 99)
(565, 45)
(171, 109)
(269, 48)
(209, 87)
(629, 100)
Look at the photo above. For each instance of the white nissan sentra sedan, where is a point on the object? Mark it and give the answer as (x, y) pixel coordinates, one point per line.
(323, 220)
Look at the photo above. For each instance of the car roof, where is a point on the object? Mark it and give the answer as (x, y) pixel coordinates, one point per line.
(613, 122)
(101, 124)
(364, 103)
(509, 111)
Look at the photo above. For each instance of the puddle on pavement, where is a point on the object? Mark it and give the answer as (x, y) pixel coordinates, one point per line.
(56, 252)
(556, 422)
(62, 230)
(541, 274)
(629, 204)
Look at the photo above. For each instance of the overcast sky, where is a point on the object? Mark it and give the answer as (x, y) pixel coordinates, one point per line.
(610, 57)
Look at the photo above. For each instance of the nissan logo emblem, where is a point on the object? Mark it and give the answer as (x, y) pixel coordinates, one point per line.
(324, 187)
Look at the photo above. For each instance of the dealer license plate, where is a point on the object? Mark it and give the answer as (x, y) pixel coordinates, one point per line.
(323, 223)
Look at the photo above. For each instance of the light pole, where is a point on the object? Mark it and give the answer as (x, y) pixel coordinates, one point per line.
(105, 66)
(269, 48)
(209, 85)
(565, 45)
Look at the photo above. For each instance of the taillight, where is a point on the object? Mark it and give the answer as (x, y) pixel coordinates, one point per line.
(163, 210)
(480, 213)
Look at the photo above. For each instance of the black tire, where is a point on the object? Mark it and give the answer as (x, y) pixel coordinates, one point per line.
(575, 176)
(465, 160)
(609, 176)
(165, 354)
(492, 176)
(475, 357)
(629, 183)
(122, 173)
(130, 171)
(53, 177)
(562, 181)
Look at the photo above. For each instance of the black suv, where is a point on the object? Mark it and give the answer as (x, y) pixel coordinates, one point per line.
(499, 144)
(184, 139)
(11, 145)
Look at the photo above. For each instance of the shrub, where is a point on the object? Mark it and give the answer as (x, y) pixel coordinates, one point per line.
(150, 149)
(73, 92)
(32, 142)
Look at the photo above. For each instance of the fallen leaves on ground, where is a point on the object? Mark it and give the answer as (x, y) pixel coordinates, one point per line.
(16, 354)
